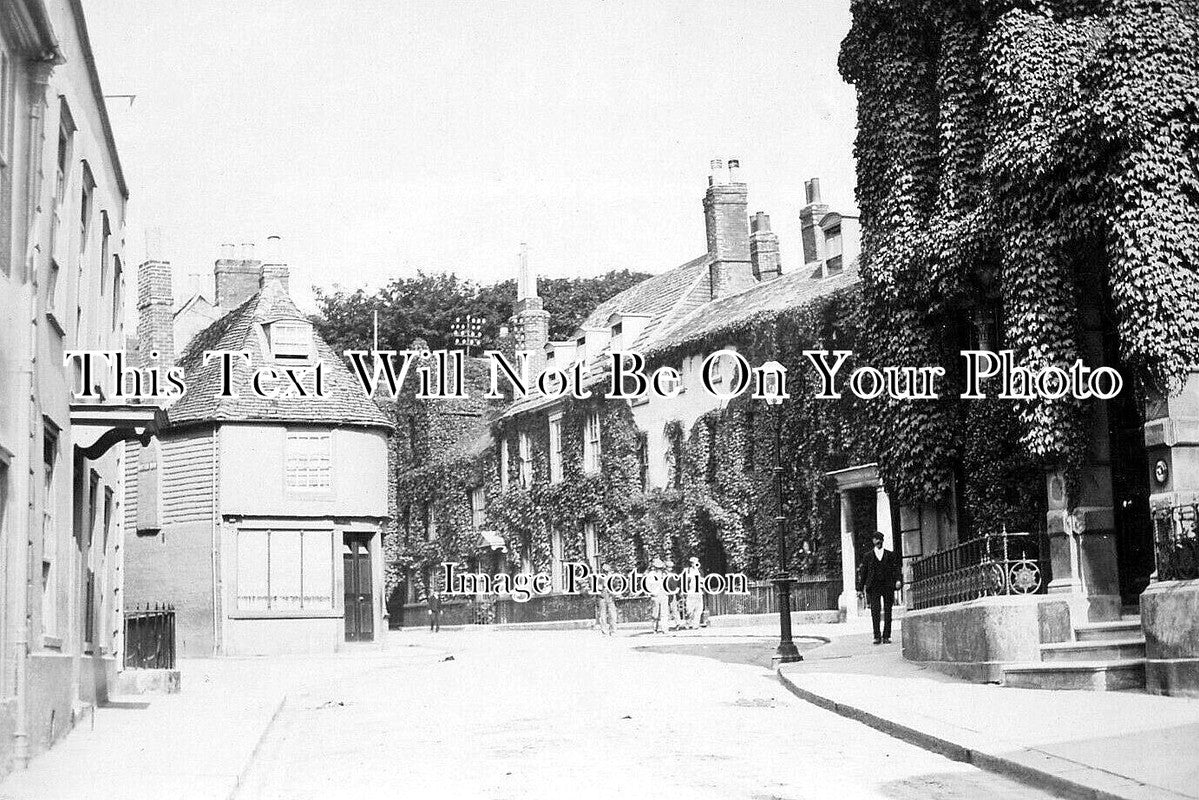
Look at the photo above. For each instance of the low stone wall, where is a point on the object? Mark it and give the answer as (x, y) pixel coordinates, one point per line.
(147, 681)
(547, 608)
(973, 640)
(1170, 618)
(807, 594)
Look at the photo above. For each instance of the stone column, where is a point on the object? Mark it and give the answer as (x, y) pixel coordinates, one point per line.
(882, 511)
(882, 518)
(849, 595)
(1082, 528)
(1168, 606)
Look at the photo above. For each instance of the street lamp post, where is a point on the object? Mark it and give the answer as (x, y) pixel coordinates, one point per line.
(787, 652)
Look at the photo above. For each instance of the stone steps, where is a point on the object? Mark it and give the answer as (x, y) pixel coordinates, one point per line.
(1103, 657)
(1104, 675)
(1117, 629)
(1093, 650)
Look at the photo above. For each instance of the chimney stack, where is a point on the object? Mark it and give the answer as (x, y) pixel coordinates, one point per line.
(530, 321)
(727, 222)
(155, 315)
(273, 266)
(237, 279)
(764, 248)
(809, 220)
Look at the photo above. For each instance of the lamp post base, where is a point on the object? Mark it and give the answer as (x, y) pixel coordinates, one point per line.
(787, 652)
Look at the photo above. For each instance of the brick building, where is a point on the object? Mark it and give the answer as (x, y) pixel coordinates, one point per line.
(258, 518)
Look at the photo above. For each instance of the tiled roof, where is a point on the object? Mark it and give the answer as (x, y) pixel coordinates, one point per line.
(344, 402)
(681, 310)
(761, 300)
(663, 297)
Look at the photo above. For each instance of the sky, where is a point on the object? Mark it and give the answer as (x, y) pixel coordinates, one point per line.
(379, 137)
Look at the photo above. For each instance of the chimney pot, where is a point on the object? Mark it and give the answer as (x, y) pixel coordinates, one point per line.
(247, 251)
(760, 222)
(272, 253)
(809, 220)
(717, 173)
(812, 190)
(154, 244)
(734, 170)
(227, 251)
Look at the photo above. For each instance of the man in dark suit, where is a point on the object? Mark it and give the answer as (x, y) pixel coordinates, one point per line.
(434, 600)
(878, 577)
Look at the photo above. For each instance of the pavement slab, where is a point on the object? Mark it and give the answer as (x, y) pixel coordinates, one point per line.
(1079, 743)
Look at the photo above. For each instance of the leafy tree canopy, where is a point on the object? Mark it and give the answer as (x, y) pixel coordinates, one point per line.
(426, 306)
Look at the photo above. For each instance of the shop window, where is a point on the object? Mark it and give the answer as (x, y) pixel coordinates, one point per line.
(284, 570)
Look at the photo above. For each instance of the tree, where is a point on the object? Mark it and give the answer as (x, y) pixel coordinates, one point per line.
(426, 306)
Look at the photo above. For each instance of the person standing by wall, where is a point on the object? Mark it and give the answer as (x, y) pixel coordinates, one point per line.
(878, 578)
(672, 603)
(655, 586)
(694, 596)
(606, 603)
(434, 611)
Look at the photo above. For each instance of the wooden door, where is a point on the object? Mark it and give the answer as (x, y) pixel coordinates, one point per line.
(360, 617)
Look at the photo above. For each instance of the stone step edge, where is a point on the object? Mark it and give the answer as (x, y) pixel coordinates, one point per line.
(1109, 625)
(1074, 666)
(1093, 644)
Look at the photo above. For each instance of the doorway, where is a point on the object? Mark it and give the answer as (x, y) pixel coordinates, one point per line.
(1130, 480)
(360, 605)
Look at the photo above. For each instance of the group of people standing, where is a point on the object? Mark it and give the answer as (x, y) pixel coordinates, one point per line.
(674, 604)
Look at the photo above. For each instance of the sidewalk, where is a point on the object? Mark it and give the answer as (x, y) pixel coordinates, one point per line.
(1101, 745)
(195, 744)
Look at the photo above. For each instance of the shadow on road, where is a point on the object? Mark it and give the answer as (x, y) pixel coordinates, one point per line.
(755, 651)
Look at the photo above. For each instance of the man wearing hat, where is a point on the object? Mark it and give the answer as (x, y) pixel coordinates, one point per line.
(878, 578)
(655, 585)
(606, 605)
(672, 600)
(692, 582)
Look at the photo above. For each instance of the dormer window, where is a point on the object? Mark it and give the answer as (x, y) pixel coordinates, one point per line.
(833, 249)
(290, 340)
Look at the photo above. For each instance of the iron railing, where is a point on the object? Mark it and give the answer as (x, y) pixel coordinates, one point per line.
(1176, 542)
(150, 637)
(993, 564)
(807, 594)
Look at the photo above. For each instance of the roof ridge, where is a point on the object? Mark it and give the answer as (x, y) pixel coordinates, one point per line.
(667, 324)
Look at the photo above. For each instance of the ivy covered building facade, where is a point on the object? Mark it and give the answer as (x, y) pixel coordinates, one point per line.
(524, 485)
(1027, 180)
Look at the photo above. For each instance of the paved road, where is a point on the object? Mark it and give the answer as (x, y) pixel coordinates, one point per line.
(532, 714)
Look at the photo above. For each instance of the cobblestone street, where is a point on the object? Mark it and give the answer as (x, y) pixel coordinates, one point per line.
(477, 713)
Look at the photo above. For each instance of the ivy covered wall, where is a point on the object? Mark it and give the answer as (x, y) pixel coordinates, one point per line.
(1035, 164)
